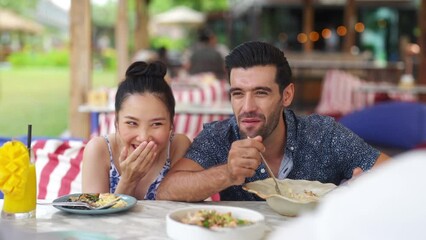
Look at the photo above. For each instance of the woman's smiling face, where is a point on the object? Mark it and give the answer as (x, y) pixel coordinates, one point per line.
(144, 117)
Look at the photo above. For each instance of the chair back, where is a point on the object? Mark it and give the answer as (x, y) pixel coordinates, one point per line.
(391, 124)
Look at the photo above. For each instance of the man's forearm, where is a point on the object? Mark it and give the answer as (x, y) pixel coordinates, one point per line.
(193, 186)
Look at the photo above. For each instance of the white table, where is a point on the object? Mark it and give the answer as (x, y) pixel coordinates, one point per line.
(395, 92)
(372, 88)
(180, 108)
(147, 220)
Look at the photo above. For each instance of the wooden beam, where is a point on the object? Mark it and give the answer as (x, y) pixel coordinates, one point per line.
(308, 24)
(121, 39)
(350, 19)
(141, 31)
(81, 66)
(421, 79)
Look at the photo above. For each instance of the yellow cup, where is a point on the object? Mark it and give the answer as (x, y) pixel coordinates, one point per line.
(17, 181)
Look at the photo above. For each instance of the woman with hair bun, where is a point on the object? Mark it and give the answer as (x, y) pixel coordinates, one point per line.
(135, 159)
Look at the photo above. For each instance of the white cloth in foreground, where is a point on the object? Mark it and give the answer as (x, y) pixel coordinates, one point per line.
(387, 203)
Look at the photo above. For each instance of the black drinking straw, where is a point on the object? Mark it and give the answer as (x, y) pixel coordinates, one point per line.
(29, 139)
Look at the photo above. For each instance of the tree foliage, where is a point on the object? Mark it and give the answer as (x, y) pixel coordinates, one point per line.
(157, 6)
(19, 6)
(104, 15)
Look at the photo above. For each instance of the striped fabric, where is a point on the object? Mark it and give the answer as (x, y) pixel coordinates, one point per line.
(192, 124)
(58, 165)
(338, 96)
(106, 124)
(205, 93)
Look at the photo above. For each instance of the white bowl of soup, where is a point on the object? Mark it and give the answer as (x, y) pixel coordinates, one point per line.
(215, 222)
(297, 195)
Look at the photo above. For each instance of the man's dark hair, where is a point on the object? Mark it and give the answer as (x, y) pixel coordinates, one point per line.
(250, 54)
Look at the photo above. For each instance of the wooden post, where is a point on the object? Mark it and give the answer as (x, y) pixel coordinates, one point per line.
(121, 40)
(349, 22)
(308, 24)
(81, 66)
(421, 79)
(141, 31)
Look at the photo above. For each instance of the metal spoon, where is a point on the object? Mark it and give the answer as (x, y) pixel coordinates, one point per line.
(270, 173)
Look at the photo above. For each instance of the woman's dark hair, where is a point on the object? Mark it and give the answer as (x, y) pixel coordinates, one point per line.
(142, 77)
(250, 54)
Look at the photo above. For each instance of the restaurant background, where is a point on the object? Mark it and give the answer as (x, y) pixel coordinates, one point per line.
(39, 76)
(358, 61)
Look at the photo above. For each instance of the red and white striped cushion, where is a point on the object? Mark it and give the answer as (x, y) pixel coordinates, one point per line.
(205, 94)
(192, 124)
(58, 165)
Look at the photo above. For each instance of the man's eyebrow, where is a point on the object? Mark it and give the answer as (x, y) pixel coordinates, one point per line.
(268, 89)
(233, 89)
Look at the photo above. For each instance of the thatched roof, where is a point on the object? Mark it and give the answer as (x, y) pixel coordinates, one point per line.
(10, 21)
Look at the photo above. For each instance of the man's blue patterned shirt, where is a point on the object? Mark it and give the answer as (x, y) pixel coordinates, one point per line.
(321, 149)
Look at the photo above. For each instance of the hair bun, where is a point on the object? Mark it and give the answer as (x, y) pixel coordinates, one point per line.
(154, 69)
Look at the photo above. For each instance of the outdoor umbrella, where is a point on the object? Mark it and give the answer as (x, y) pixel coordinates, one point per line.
(179, 16)
(9, 21)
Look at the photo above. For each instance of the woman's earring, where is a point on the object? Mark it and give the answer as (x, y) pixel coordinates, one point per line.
(172, 134)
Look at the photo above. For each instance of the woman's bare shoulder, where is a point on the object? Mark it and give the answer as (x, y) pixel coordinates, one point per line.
(180, 144)
(97, 142)
(96, 149)
(181, 140)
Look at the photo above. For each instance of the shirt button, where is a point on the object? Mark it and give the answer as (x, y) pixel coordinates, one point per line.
(291, 148)
(262, 170)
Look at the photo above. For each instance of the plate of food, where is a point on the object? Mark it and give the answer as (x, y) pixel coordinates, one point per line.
(297, 195)
(97, 199)
(215, 222)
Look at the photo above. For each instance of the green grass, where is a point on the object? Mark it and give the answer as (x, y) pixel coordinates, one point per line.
(39, 96)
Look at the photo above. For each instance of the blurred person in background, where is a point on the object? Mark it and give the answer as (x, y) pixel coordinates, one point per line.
(204, 57)
(135, 159)
(221, 48)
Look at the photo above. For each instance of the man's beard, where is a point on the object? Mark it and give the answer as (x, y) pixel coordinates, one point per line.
(267, 128)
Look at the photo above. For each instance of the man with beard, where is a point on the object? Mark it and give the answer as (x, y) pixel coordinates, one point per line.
(225, 154)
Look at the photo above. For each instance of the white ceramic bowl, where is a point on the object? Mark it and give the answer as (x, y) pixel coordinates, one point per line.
(181, 231)
(295, 196)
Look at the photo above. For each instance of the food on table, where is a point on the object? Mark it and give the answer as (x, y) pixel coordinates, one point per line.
(212, 219)
(86, 197)
(305, 195)
(97, 200)
(17, 178)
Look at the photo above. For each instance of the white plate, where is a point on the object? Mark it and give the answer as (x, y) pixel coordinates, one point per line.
(131, 201)
(294, 199)
(181, 231)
